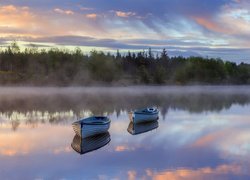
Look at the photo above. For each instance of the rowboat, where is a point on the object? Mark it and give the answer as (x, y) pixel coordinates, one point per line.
(144, 115)
(88, 144)
(140, 128)
(91, 126)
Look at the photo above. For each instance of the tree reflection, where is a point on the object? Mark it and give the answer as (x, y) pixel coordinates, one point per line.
(15, 124)
(68, 106)
(101, 103)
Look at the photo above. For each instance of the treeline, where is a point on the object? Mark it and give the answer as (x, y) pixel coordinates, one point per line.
(72, 67)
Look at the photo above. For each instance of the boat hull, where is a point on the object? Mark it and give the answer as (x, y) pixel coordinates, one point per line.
(86, 130)
(143, 118)
(85, 145)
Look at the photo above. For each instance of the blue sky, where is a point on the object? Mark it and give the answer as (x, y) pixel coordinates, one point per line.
(213, 28)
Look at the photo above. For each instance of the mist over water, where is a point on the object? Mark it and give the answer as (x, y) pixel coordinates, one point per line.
(128, 90)
(109, 99)
(202, 133)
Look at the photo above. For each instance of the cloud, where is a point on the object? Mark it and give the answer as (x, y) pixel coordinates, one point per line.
(121, 148)
(21, 21)
(91, 16)
(84, 41)
(8, 9)
(21, 143)
(86, 8)
(68, 12)
(131, 175)
(13, 20)
(210, 25)
(195, 24)
(124, 14)
(201, 173)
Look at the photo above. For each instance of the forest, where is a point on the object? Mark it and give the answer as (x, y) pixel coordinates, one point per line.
(64, 67)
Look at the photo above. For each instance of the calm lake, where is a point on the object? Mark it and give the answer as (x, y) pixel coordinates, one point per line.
(203, 133)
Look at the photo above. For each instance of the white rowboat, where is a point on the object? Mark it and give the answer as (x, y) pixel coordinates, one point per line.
(144, 115)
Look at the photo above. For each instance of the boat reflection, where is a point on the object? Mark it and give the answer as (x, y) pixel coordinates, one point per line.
(85, 145)
(135, 129)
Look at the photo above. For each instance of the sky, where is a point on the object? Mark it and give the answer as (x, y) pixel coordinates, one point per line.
(209, 28)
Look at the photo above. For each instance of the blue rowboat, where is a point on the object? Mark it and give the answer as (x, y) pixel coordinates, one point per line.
(140, 128)
(88, 144)
(91, 126)
(144, 115)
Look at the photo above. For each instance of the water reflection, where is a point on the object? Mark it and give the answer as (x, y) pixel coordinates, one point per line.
(27, 141)
(224, 171)
(85, 145)
(140, 128)
(192, 99)
(202, 135)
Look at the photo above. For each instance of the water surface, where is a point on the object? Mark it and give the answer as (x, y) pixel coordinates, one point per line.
(202, 133)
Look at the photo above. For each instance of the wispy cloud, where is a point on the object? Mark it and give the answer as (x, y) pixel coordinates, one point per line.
(68, 12)
(124, 14)
(191, 24)
(91, 16)
(86, 8)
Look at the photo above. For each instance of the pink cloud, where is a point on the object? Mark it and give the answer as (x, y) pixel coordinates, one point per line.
(210, 24)
(201, 173)
(91, 16)
(124, 14)
(61, 11)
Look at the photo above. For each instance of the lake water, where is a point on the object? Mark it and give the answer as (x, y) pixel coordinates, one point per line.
(202, 133)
